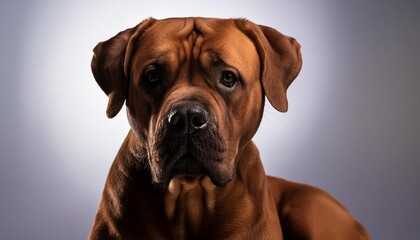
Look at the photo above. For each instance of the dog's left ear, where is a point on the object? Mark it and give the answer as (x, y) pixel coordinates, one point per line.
(110, 63)
(280, 59)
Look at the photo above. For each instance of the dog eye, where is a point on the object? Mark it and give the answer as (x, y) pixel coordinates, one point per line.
(151, 77)
(228, 79)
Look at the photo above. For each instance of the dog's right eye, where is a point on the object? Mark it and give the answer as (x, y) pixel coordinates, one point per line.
(151, 77)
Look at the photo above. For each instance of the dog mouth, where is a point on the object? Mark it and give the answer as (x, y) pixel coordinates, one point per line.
(188, 165)
(200, 153)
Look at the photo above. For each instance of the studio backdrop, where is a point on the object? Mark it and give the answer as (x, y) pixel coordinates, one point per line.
(352, 127)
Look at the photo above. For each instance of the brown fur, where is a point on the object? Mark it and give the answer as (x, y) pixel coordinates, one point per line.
(235, 200)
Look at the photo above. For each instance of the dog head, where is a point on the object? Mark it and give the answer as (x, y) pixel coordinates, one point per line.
(194, 89)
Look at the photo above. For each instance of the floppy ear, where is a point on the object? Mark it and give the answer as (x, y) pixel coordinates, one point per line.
(280, 59)
(110, 63)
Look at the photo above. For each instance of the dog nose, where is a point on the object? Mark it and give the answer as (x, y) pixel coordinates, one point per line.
(188, 117)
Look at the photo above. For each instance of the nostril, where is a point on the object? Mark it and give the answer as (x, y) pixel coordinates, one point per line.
(176, 120)
(173, 118)
(199, 121)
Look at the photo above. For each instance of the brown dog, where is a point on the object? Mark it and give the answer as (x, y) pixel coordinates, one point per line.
(194, 90)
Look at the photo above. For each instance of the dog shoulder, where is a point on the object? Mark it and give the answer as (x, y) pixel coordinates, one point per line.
(308, 212)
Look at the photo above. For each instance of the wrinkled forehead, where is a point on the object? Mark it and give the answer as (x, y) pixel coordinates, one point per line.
(197, 39)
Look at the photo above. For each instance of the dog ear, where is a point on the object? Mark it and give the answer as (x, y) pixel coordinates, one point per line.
(280, 58)
(110, 65)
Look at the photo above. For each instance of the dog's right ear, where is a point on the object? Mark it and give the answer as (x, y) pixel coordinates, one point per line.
(110, 65)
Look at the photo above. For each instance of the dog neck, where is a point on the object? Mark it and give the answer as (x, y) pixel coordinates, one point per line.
(189, 202)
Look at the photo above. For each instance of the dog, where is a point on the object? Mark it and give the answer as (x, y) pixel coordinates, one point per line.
(194, 90)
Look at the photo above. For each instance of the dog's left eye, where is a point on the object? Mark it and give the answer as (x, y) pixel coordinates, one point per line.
(229, 79)
(151, 77)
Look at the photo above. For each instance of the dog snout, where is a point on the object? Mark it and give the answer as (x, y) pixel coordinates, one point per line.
(188, 117)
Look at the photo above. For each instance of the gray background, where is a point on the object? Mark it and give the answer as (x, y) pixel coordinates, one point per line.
(352, 126)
